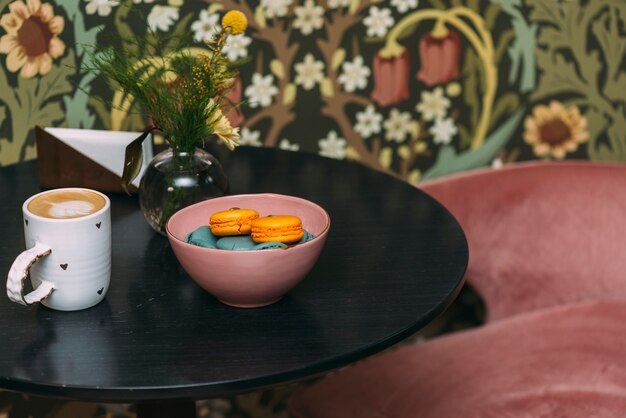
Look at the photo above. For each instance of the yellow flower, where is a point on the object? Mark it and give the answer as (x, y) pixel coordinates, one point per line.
(235, 22)
(554, 130)
(32, 38)
(227, 135)
(222, 128)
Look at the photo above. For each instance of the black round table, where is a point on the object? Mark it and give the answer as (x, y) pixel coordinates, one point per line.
(394, 260)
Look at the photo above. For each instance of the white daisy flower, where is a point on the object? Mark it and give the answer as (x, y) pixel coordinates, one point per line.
(206, 26)
(309, 72)
(250, 137)
(368, 122)
(261, 91)
(162, 17)
(275, 8)
(286, 145)
(443, 130)
(404, 6)
(354, 75)
(497, 163)
(378, 21)
(335, 4)
(398, 126)
(236, 46)
(333, 146)
(102, 7)
(433, 105)
(308, 17)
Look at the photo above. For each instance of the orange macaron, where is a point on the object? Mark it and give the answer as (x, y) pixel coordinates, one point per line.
(234, 221)
(277, 228)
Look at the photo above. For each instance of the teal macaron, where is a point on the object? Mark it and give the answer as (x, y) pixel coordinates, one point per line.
(202, 237)
(240, 242)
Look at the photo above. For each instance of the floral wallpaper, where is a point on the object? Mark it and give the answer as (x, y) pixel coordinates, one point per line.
(414, 88)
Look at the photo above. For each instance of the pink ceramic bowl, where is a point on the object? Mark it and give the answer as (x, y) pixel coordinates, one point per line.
(248, 278)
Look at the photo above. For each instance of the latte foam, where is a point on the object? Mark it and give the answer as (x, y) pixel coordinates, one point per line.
(66, 204)
(71, 209)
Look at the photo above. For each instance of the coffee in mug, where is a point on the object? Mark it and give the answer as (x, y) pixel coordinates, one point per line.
(68, 236)
(66, 204)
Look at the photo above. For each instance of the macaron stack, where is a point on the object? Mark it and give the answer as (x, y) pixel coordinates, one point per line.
(244, 229)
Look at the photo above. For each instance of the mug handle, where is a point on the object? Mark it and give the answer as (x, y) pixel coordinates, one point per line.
(19, 271)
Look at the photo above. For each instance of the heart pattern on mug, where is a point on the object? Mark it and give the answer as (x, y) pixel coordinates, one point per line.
(63, 266)
(99, 224)
(100, 291)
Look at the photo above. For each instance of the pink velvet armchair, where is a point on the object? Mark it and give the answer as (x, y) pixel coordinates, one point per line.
(540, 234)
(547, 254)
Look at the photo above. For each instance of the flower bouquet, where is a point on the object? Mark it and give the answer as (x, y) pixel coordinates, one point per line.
(181, 89)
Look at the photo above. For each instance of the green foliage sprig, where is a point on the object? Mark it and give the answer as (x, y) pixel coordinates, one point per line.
(179, 90)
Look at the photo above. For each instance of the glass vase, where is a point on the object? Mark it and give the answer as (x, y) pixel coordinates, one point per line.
(174, 180)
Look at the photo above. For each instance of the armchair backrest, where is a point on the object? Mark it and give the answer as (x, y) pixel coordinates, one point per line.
(541, 234)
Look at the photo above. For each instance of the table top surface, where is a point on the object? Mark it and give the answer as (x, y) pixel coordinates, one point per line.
(394, 259)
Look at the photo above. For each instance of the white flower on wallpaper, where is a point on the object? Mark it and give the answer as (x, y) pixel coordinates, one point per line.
(287, 145)
(404, 6)
(497, 163)
(162, 17)
(309, 17)
(368, 122)
(206, 26)
(261, 90)
(397, 126)
(250, 137)
(433, 105)
(354, 74)
(236, 46)
(333, 146)
(378, 21)
(335, 4)
(102, 7)
(443, 130)
(309, 72)
(275, 8)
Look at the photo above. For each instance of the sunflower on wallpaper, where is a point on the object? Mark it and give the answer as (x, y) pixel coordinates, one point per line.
(32, 38)
(36, 74)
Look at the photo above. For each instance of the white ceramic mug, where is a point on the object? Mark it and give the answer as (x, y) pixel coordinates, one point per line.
(68, 236)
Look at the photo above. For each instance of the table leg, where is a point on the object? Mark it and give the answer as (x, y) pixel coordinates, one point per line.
(176, 408)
